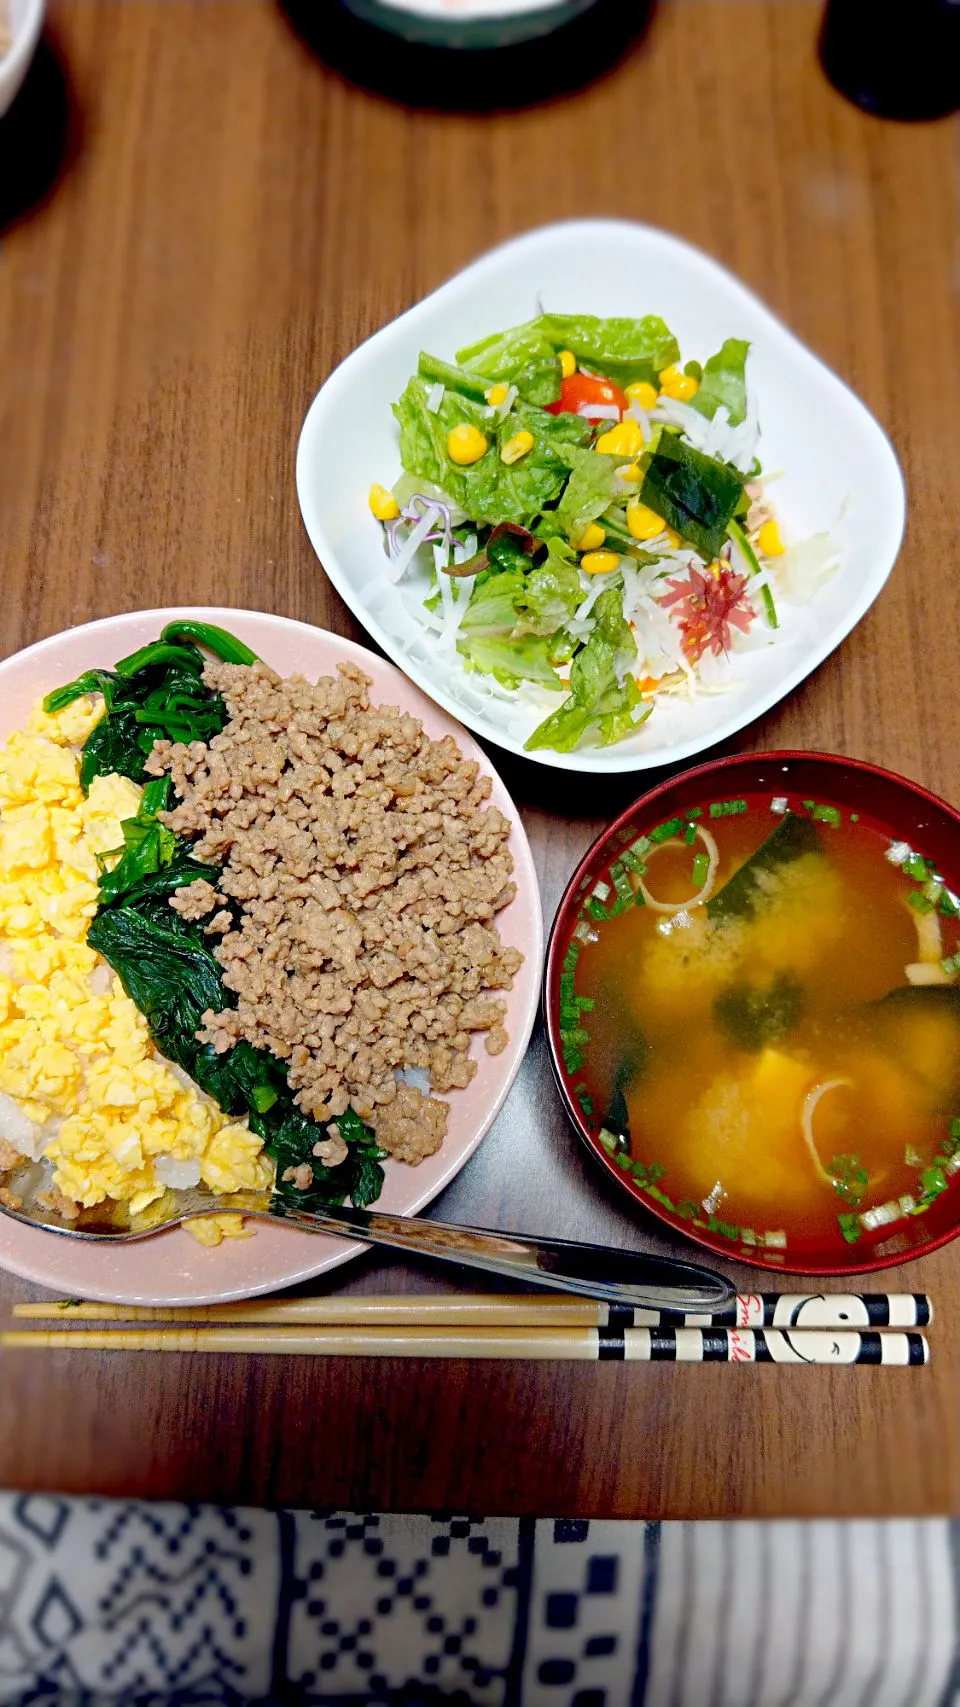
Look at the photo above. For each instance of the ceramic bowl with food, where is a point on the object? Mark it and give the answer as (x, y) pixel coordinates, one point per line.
(388, 884)
(752, 999)
(596, 500)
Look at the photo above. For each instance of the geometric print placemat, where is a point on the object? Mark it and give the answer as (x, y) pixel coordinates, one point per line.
(159, 1605)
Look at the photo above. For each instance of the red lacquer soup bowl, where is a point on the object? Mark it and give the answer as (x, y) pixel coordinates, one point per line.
(921, 837)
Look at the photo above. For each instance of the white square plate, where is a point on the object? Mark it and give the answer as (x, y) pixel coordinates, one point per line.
(840, 474)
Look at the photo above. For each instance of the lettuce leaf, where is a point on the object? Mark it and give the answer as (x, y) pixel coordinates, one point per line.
(592, 488)
(488, 490)
(695, 494)
(623, 349)
(598, 698)
(724, 381)
(519, 599)
(509, 660)
(522, 357)
(552, 592)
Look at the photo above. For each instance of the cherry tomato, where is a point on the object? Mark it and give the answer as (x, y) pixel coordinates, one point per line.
(583, 388)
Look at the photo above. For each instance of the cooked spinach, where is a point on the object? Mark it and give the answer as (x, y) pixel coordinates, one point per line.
(167, 967)
(156, 694)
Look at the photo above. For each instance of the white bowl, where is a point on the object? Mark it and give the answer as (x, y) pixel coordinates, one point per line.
(468, 23)
(26, 22)
(840, 474)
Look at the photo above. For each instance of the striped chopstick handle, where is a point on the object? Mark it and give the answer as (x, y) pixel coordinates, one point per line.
(794, 1310)
(762, 1345)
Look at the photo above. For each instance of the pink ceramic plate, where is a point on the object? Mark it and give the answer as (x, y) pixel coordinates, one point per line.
(172, 1268)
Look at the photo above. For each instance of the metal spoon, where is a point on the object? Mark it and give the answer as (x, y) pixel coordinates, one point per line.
(594, 1271)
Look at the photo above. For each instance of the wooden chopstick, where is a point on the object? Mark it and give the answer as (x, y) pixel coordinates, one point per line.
(805, 1347)
(799, 1310)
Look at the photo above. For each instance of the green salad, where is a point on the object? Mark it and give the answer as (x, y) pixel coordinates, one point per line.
(593, 518)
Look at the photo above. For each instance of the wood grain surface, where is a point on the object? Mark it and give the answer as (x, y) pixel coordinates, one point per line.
(230, 218)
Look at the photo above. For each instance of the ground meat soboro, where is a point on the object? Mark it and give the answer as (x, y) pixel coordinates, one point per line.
(369, 870)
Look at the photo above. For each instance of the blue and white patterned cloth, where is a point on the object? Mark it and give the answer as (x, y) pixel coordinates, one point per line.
(106, 1602)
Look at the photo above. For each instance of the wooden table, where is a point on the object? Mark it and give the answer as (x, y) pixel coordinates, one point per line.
(231, 219)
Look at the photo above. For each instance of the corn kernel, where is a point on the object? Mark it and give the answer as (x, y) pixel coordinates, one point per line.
(642, 392)
(680, 386)
(568, 364)
(466, 444)
(516, 447)
(624, 440)
(632, 472)
(591, 538)
(770, 540)
(599, 562)
(643, 522)
(673, 538)
(497, 394)
(383, 504)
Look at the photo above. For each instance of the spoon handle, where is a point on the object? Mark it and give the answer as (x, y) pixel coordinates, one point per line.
(631, 1278)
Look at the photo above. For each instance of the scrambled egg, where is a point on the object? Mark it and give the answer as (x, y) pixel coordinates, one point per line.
(80, 1079)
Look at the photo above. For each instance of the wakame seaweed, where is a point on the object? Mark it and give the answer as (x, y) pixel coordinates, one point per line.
(694, 493)
(165, 962)
(757, 1016)
(792, 838)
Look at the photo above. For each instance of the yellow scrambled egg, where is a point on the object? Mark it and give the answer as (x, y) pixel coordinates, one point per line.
(76, 1057)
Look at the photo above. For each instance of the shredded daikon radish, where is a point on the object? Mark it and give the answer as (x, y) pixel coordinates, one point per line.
(398, 566)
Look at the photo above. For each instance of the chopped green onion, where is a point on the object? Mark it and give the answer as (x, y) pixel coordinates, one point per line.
(624, 888)
(596, 910)
(664, 832)
(701, 867)
(850, 1227)
(916, 867)
(827, 815)
(727, 808)
(690, 834)
(632, 861)
(808, 805)
(921, 902)
(854, 817)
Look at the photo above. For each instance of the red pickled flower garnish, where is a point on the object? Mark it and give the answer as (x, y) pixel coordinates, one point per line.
(706, 607)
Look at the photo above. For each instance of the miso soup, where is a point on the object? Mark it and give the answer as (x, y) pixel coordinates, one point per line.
(760, 1013)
